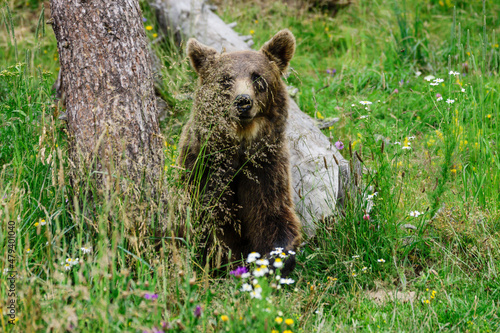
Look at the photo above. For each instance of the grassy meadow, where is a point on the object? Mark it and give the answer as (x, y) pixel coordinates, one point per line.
(416, 89)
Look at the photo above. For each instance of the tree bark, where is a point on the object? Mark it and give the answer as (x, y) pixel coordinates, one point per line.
(320, 175)
(109, 90)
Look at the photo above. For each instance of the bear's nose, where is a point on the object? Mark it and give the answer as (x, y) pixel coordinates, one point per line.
(243, 103)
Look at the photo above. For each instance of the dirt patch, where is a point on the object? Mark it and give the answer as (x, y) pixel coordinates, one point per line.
(382, 296)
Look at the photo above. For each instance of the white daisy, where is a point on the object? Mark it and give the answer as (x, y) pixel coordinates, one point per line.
(287, 281)
(246, 287)
(253, 256)
(86, 250)
(278, 263)
(262, 262)
(415, 213)
(255, 294)
(258, 272)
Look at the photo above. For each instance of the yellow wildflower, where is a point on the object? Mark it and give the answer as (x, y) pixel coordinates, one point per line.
(224, 318)
(278, 320)
(289, 321)
(149, 28)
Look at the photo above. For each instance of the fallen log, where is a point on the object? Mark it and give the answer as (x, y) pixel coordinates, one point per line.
(320, 173)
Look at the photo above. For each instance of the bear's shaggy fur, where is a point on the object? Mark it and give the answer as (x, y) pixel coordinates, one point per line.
(235, 148)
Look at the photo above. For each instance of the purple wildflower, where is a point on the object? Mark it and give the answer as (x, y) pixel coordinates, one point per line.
(438, 95)
(339, 144)
(401, 82)
(197, 311)
(144, 19)
(331, 71)
(395, 91)
(239, 271)
(366, 217)
(150, 296)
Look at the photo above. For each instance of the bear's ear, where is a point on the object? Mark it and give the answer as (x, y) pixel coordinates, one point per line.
(280, 49)
(200, 55)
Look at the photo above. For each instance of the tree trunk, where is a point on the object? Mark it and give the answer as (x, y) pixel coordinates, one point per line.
(320, 175)
(111, 107)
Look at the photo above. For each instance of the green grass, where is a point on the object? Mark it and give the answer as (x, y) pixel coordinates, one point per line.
(446, 267)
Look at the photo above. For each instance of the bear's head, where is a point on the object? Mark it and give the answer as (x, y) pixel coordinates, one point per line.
(248, 81)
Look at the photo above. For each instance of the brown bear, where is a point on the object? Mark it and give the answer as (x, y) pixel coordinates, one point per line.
(235, 148)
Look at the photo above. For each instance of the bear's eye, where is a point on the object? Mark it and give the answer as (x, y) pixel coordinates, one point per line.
(226, 82)
(259, 82)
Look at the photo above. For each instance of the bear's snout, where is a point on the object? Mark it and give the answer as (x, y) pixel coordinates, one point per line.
(244, 104)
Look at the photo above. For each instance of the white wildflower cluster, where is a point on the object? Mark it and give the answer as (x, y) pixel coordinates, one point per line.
(70, 263)
(86, 250)
(454, 73)
(262, 267)
(415, 213)
(435, 82)
(365, 102)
